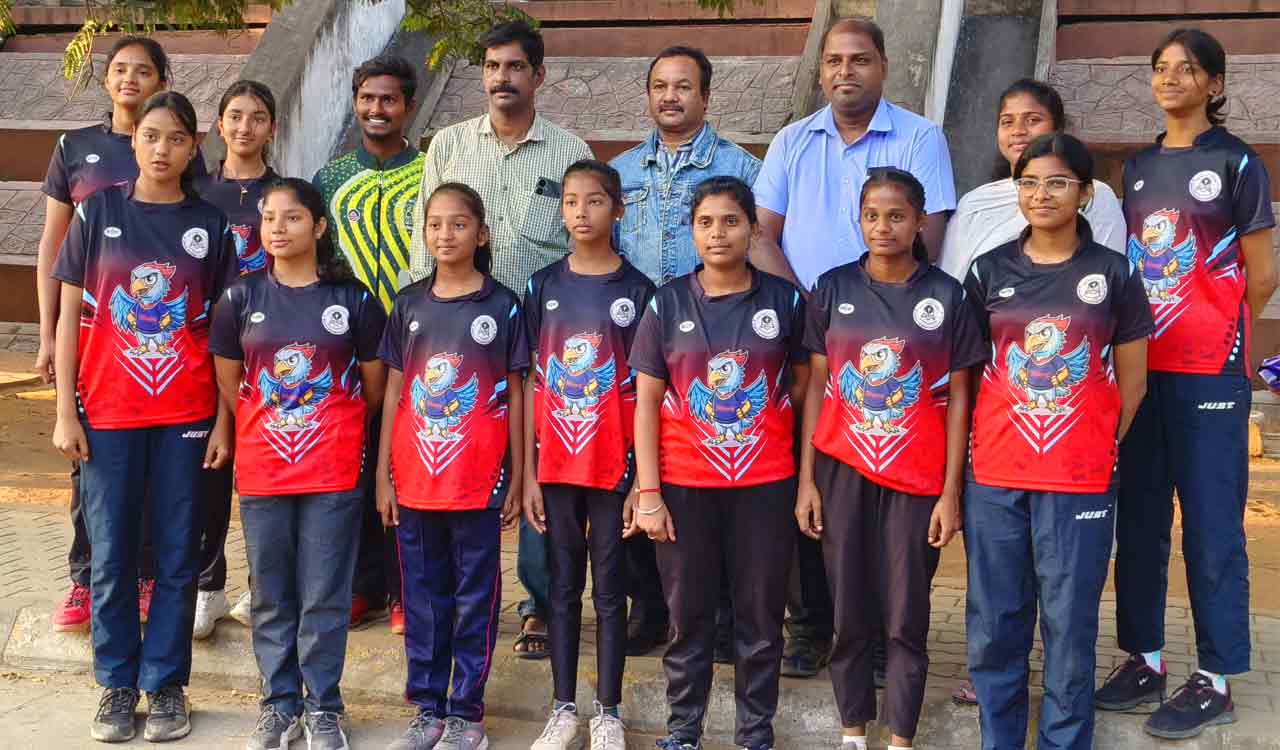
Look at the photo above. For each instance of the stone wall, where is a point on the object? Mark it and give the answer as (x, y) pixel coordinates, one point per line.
(749, 95)
(32, 87)
(1109, 100)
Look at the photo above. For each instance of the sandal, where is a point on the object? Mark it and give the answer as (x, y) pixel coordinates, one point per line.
(965, 695)
(531, 644)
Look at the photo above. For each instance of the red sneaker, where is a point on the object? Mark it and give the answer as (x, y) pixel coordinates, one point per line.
(397, 618)
(146, 587)
(74, 613)
(363, 611)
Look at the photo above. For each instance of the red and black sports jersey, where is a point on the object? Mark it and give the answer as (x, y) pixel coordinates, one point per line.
(1048, 404)
(1187, 209)
(301, 415)
(581, 328)
(450, 440)
(90, 159)
(241, 201)
(891, 349)
(150, 274)
(727, 419)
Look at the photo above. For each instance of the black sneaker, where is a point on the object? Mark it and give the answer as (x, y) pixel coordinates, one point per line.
(1130, 685)
(643, 637)
(324, 731)
(803, 657)
(114, 720)
(274, 730)
(1195, 706)
(674, 743)
(168, 715)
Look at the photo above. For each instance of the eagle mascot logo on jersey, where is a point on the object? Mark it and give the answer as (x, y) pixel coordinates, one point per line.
(576, 379)
(1040, 371)
(289, 392)
(143, 312)
(1162, 263)
(439, 400)
(724, 403)
(876, 388)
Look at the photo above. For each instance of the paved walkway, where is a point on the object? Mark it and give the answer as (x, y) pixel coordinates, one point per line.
(34, 541)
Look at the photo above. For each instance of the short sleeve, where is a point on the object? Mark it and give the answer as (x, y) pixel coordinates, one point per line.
(391, 348)
(931, 164)
(73, 258)
(968, 348)
(975, 298)
(517, 340)
(533, 312)
(1251, 200)
(224, 332)
(770, 187)
(56, 185)
(371, 321)
(647, 352)
(1132, 309)
(818, 318)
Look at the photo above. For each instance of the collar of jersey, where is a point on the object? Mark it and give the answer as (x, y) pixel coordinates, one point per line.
(1204, 139)
(368, 161)
(486, 288)
(1082, 231)
(605, 277)
(266, 177)
(861, 264)
(702, 294)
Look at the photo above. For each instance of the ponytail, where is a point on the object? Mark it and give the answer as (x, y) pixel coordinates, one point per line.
(911, 189)
(918, 249)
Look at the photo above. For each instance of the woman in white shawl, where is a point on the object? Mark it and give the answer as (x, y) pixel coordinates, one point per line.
(988, 215)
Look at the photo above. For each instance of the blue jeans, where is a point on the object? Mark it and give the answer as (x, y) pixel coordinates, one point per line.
(302, 552)
(1029, 549)
(534, 573)
(128, 470)
(1191, 433)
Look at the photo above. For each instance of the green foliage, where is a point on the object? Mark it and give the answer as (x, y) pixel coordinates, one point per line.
(458, 24)
(6, 18)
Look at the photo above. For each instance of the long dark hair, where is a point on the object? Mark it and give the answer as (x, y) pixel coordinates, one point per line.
(1046, 96)
(1208, 52)
(606, 175)
(331, 266)
(259, 91)
(1072, 152)
(180, 107)
(159, 58)
(483, 257)
(911, 189)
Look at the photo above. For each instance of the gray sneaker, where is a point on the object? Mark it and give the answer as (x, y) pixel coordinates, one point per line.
(274, 730)
(168, 715)
(607, 731)
(324, 730)
(424, 733)
(460, 734)
(114, 720)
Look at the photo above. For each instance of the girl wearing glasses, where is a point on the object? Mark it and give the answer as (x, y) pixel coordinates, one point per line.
(1066, 323)
(1198, 207)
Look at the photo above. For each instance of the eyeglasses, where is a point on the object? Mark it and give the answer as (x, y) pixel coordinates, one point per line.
(1053, 185)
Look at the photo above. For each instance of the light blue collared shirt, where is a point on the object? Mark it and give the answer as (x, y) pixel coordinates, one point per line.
(813, 179)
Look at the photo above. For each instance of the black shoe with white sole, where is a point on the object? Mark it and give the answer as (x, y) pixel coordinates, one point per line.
(168, 715)
(1195, 706)
(114, 720)
(1130, 685)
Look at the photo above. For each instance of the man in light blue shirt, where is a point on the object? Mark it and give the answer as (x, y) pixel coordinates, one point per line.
(660, 174)
(809, 187)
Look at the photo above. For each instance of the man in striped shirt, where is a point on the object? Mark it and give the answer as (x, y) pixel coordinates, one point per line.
(515, 159)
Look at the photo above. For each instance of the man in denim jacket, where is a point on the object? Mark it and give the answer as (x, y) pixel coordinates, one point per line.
(659, 177)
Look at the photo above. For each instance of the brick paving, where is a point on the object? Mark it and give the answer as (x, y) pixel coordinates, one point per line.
(1110, 99)
(21, 222)
(750, 95)
(33, 570)
(32, 88)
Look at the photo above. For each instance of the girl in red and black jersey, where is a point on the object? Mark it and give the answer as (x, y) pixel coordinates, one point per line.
(296, 356)
(886, 426)
(140, 269)
(246, 122)
(720, 363)
(1066, 322)
(582, 313)
(84, 162)
(1198, 207)
(450, 464)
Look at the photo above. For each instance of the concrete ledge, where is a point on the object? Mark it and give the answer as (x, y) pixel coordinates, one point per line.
(520, 690)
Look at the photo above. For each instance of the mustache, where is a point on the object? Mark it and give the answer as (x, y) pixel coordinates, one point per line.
(504, 89)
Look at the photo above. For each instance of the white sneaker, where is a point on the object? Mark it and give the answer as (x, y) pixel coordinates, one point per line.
(607, 732)
(211, 606)
(241, 612)
(563, 731)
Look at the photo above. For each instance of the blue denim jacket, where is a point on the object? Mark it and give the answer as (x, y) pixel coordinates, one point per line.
(654, 233)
